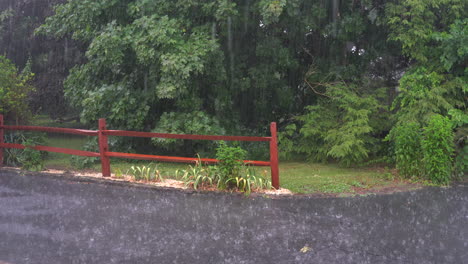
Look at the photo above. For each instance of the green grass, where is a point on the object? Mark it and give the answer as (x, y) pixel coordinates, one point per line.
(59, 160)
(300, 177)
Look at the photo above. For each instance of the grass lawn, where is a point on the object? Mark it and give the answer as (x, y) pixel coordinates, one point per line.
(299, 177)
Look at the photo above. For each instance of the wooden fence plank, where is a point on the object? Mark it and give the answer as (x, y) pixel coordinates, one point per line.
(177, 159)
(53, 149)
(103, 149)
(274, 157)
(83, 132)
(1, 140)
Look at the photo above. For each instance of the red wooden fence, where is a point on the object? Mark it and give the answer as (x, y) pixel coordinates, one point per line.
(102, 133)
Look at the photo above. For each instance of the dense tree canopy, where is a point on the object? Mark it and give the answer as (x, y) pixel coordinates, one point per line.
(340, 77)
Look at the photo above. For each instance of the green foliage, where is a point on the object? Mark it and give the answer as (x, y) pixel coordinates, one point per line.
(230, 173)
(415, 24)
(423, 94)
(31, 159)
(231, 160)
(5, 14)
(12, 156)
(28, 158)
(215, 67)
(137, 55)
(155, 54)
(248, 181)
(271, 10)
(194, 123)
(460, 122)
(408, 149)
(438, 147)
(145, 173)
(454, 44)
(199, 176)
(338, 127)
(14, 90)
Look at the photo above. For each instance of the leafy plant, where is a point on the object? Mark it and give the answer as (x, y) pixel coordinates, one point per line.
(196, 122)
(408, 150)
(146, 173)
(338, 127)
(118, 174)
(249, 180)
(199, 175)
(460, 122)
(438, 148)
(14, 90)
(244, 179)
(30, 158)
(231, 160)
(12, 156)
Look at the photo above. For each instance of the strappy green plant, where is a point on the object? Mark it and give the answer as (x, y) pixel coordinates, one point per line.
(199, 175)
(146, 173)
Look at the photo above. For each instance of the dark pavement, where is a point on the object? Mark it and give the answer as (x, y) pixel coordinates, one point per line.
(46, 219)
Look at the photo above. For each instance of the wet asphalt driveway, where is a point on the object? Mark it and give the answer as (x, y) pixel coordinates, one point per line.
(45, 219)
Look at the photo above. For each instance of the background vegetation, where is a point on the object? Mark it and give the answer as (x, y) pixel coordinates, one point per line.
(352, 82)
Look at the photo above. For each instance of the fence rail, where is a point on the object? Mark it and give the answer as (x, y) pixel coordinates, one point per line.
(105, 154)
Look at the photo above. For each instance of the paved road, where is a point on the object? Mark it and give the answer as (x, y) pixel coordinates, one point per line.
(44, 219)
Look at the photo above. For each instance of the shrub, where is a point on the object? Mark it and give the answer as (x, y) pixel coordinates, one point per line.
(29, 158)
(231, 160)
(339, 127)
(460, 121)
(408, 155)
(438, 148)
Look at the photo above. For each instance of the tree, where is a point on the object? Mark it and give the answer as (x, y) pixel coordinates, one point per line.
(433, 36)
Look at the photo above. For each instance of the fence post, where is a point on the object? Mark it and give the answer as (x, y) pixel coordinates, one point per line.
(103, 148)
(1, 140)
(274, 157)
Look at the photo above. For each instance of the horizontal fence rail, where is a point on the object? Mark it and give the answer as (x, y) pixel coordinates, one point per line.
(105, 154)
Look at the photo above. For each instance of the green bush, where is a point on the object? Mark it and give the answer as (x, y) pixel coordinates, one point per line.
(460, 121)
(230, 162)
(29, 159)
(438, 148)
(339, 127)
(408, 155)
